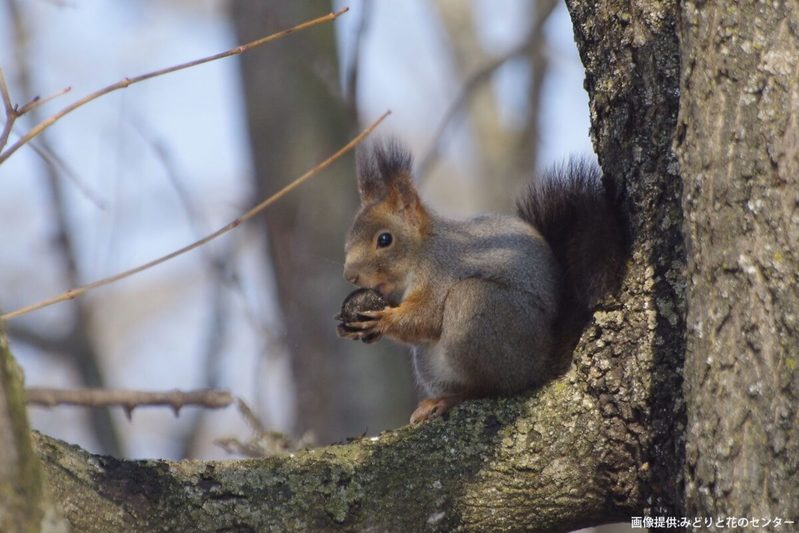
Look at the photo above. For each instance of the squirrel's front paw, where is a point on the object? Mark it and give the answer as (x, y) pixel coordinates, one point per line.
(348, 331)
(376, 323)
(352, 312)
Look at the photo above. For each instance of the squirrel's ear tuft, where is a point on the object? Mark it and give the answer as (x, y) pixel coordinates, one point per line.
(371, 186)
(384, 175)
(384, 168)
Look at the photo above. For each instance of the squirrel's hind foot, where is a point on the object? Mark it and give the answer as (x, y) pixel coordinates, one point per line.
(430, 408)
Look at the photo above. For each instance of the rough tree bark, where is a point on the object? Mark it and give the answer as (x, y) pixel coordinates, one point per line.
(604, 441)
(738, 146)
(630, 51)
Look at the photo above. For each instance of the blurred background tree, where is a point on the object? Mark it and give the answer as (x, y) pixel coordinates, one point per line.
(483, 92)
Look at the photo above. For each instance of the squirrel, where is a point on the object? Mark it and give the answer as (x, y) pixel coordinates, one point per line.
(490, 304)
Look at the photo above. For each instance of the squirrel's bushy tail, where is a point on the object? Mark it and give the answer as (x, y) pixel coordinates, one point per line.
(579, 215)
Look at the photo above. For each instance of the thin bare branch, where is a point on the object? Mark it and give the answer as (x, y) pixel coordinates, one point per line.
(263, 442)
(51, 158)
(11, 113)
(37, 101)
(249, 416)
(127, 82)
(466, 91)
(4, 94)
(77, 291)
(128, 399)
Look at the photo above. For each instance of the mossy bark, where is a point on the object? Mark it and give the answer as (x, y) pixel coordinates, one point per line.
(20, 474)
(491, 466)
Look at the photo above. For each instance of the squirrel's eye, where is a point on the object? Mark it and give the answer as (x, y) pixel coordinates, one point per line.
(384, 239)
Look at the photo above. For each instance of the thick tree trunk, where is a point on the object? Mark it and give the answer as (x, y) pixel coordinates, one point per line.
(739, 155)
(631, 57)
(604, 441)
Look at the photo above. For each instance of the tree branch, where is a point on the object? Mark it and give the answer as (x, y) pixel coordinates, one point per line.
(591, 447)
(37, 101)
(467, 89)
(263, 442)
(77, 291)
(497, 465)
(129, 399)
(127, 82)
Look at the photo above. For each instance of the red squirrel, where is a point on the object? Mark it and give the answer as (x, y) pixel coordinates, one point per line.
(486, 303)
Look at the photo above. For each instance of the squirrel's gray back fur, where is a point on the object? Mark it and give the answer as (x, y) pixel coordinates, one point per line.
(499, 248)
(555, 260)
(496, 280)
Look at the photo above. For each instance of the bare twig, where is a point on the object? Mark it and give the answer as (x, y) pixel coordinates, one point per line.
(466, 91)
(77, 291)
(7, 105)
(263, 442)
(127, 82)
(249, 416)
(128, 399)
(11, 112)
(36, 101)
(44, 151)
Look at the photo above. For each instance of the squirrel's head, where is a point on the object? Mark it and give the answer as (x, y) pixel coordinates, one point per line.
(388, 232)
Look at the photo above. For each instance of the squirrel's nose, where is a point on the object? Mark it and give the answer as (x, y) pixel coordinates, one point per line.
(351, 276)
